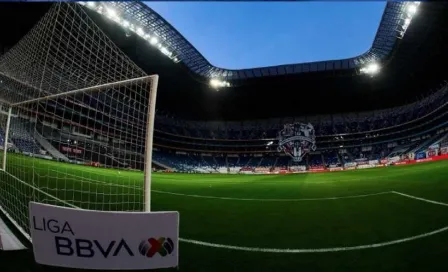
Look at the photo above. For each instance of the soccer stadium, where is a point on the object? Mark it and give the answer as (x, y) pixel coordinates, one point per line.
(337, 165)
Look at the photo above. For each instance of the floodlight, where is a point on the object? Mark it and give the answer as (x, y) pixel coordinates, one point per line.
(125, 23)
(412, 9)
(111, 12)
(166, 51)
(214, 83)
(140, 32)
(91, 4)
(373, 68)
(407, 21)
(154, 40)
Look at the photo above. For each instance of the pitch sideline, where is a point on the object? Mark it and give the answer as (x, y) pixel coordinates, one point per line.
(272, 199)
(331, 249)
(314, 250)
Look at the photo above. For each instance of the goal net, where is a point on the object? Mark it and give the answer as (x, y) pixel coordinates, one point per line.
(76, 120)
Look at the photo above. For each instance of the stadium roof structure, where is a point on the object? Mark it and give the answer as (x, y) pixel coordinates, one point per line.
(394, 22)
(411, 56)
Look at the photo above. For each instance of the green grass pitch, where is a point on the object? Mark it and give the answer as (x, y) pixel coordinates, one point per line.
(265, 212)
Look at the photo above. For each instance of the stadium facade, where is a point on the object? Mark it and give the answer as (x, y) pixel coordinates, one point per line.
(361, 117)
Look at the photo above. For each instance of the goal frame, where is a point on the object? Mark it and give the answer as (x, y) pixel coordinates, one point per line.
(149, 134)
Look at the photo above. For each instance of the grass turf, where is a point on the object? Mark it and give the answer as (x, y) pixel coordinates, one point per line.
(268, 224)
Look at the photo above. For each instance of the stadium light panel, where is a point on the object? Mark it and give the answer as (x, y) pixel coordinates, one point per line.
(125, 23)
(112, 14)
(140, 32)
(372, 68)
(154, 40)
(407, 21)
(216, 83)
(412, 9)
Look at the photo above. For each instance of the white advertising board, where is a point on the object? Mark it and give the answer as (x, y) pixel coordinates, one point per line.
(88, 239)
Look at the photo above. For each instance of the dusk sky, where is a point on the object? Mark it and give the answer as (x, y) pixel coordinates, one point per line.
(238, 35)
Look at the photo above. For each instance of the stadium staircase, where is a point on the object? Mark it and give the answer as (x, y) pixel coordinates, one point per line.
(323, 159)
(49, 147)
(164, 166)
(341, 160)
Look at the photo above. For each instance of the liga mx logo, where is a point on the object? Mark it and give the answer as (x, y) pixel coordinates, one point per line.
(296, 140)
(150, 247)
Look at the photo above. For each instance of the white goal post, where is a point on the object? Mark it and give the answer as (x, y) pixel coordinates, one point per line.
(76, 120)
(129, 105)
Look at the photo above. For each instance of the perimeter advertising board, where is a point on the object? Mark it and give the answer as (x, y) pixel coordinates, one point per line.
(87, 239)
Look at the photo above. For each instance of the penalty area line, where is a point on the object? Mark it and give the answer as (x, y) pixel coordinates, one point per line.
(329, 249)
(271, 199)
(313, 250)
(421, 199)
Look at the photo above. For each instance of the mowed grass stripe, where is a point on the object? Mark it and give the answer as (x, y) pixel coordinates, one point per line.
(342, 223)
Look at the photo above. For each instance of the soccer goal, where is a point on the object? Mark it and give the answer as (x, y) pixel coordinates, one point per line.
(76, 120)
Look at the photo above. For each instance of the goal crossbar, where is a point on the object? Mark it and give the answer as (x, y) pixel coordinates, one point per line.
(153, 78)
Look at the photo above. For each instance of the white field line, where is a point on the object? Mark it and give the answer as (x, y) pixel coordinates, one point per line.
(314, 250)
(271, 199)
(421, 199)
(330, 249)
(289, 250)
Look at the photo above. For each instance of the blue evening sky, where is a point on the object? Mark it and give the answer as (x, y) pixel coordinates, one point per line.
(237, 35)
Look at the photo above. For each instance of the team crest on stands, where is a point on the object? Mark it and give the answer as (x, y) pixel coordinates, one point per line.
(296, 140)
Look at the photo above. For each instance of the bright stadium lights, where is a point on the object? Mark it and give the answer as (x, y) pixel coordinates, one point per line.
(140, 32)
(111, 13)
(131, 25)
(154, 40)
(371, 69)
(216, 83)
(166, 52)
(125, 23)
(407, 21)
(412, 9)
(269, 143)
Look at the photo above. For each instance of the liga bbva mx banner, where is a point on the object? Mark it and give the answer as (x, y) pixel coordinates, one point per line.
(88, 239)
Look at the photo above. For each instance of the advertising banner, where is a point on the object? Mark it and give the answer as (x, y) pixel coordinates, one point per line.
(336, 169)
(420, 155)
(373, 162)
(394, 159)
(365, 166)
(444, 150)
(317, 169)
(88, 239)
(350, 164)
